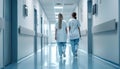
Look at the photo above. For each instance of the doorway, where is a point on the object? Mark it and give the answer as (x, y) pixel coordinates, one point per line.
(90, 38)
(35, 29)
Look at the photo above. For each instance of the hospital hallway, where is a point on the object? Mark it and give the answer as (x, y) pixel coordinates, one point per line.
(49, 59)
(28, 30)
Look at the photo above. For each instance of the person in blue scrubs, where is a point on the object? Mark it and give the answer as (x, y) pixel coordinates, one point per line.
(74, 33)
(61, 35)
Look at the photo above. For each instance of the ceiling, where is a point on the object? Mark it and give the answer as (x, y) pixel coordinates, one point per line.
(68, 8)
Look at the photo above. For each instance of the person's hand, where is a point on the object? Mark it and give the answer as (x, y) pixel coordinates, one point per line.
(80, 36)
(55, 38)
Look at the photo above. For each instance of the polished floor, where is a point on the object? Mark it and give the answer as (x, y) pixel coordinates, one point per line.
(48, 58)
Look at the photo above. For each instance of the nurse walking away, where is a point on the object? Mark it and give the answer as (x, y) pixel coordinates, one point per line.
(74, 33)
(61, 35)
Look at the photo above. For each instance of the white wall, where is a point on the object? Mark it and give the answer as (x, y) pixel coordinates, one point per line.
(105, 45)
(28, 21)
(83, 20)
(25, 43)
(83, 12)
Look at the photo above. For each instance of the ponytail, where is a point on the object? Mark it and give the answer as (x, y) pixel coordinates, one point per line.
(60, 20)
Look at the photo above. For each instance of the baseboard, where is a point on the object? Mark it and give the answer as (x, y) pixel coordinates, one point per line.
(107, 61)
(24, 58)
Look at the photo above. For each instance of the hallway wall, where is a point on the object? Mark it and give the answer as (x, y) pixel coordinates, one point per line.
(38, 8)
(1, 35)
(83, 20)
(105, 44)
(25, 42)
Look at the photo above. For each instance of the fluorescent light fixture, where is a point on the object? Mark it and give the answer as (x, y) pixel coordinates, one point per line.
(58, 7)
(56, 13)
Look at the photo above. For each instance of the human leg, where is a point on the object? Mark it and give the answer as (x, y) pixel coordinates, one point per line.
(76, 41)
(72, 46)
(60, 48)
(64, 49)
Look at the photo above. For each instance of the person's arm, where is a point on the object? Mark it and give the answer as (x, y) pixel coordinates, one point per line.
(55, 34)
(66, 31)
(69, 28)
(79, 31)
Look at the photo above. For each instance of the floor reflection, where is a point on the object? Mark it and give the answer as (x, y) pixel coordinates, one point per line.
(75, 64)
(48, 58)
(62, 64)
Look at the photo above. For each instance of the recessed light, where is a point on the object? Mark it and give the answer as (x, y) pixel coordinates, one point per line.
(58, 7)
(56, 13)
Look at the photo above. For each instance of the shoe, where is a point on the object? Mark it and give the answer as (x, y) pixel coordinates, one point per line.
(64, 54)
(60, 57)
(75, 55)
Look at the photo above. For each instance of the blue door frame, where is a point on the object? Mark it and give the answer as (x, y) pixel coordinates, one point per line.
(35, 29)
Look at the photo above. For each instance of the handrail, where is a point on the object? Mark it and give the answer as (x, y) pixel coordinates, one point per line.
(25, 31)
(105, 27)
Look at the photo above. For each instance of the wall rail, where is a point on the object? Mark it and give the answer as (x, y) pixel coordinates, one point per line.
(25, 31)
(105, 27)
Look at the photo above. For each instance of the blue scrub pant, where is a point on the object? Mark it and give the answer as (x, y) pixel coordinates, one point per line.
(74, 44)
(61, 47)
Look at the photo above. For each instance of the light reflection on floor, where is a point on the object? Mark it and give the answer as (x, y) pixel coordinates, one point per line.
(49, 59)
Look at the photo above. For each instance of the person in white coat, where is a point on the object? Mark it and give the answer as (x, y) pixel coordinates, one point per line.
(61, 35)
(74, 33)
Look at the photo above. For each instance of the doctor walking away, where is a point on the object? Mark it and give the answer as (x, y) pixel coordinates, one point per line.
(74, 33)
(61, 35)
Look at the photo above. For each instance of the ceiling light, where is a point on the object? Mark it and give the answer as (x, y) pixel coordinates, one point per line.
(58, 7)
(56, 13)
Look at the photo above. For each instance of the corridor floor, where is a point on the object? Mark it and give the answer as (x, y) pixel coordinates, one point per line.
(48, 58)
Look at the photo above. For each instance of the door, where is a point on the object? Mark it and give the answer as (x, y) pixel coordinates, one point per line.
(35, 29)
(41, 28)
